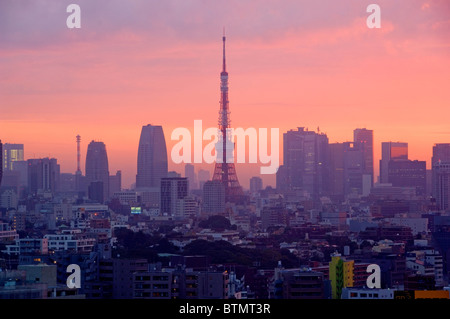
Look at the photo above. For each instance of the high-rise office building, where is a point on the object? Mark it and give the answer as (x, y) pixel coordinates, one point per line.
(10, 154)
(391, 151)
(406, 173)
(115, 183)
(97, 168)
(213, 198)
(13, 167)
(95, 191)
(80, 180)
(173, 191)
(1, 164)
(441, 153)
(152, 158)
(440, 165)
(189, 173)
(305, 156)
(20, 168)
(364, 139)
(43, 175)
(282, 179)
(336, 166)
(441, 184)
(353, 169)
(203, 177)
(256, 184)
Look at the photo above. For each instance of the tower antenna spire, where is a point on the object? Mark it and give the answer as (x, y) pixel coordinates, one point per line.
(224, 67)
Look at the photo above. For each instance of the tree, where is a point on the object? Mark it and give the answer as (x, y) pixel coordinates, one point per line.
(216, 222)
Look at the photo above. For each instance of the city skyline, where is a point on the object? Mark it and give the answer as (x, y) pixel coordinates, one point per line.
(243, 151)
(390, 80)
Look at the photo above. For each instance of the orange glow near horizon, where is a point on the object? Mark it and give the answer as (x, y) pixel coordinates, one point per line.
(325, 69)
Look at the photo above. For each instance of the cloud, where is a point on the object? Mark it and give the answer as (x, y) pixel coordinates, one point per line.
(35, 24)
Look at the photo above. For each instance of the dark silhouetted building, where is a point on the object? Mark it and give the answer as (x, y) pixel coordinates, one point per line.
(440, 163)
(441, 153)
(180, 283)
(97, 168)
(336, 166)
(189, 172)
(420, 282)
(391, 151)
(282, 179)
(407, 173)
(364, 139)
(173, 190)
(115, 183)
(67, 182)
(95, 191)
(353, 169)
(256, 184)
(116, 276)
(203, 177)
(43, 175)
(274, 216)
(213, 197)
(301, 284)
(152, 157)
(1, 164)
(10, 154)
(305, 156)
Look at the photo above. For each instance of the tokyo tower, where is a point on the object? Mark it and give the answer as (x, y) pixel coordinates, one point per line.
(225, 170)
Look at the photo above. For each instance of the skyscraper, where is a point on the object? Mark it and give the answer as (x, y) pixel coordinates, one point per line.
(1, 164)
(43, 175)
(173, 191)
(97, 168)
(336, 166)
(115, 183)
(189, 172)
(10, 154)
(364, 139)
(80, 180)
(152, 158)
(441, 184)
(203, 177)
(391, 151)
(225, 170)
(441, 153)
(440, 163)
(406, 173)
(256, 184)
(305, 157)
(282, 179)
(353, 168)
(213, 197)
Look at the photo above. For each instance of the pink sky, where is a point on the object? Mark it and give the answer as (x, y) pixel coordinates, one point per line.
(291, 63)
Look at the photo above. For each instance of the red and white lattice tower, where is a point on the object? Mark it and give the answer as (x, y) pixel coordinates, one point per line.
(225, 170)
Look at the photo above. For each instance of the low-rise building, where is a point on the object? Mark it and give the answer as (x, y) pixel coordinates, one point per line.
(367, 293)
